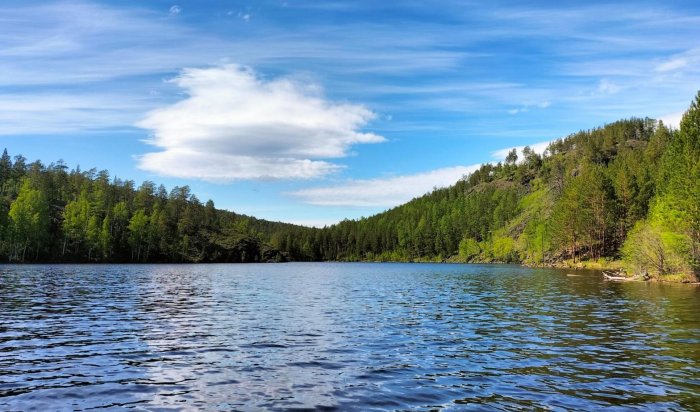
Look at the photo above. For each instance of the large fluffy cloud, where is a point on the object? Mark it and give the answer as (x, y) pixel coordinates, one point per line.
(234, 125)
(383, 192)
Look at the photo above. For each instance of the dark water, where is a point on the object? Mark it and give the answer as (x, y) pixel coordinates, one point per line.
(343, 336)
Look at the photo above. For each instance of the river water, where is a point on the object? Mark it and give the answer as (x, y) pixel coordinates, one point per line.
(339, 336)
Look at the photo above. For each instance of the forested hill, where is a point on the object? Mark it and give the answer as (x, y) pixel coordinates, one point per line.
(626, 191)
(630, 189)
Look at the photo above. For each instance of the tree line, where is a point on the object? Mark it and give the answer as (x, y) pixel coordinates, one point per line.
(627, 190)
(48, 213)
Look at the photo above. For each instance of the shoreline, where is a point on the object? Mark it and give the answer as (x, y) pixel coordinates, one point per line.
(612, 266)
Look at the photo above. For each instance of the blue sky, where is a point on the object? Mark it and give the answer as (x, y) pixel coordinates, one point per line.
(314, 111)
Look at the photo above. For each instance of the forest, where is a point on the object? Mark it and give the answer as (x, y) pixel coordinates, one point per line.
(628, 191)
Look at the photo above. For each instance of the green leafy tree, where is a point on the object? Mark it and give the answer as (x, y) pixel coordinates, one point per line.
(29, 214)
(76, 217)
(138, 233)
(658, 247)
(469, 249)
(105, 237)
(681, 171)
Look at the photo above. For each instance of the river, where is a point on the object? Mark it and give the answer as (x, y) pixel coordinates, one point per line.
(343, 336)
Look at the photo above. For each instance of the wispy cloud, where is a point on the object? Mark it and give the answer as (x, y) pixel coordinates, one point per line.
(527, 106)
(61, 112)
(672, 64)
(235, 125)
(608, 87)
(175, 10)
(457, 73)
(686, 60)
(60, 44)
(382, 192)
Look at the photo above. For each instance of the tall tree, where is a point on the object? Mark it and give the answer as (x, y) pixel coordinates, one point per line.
(30, 221)
(138, 234)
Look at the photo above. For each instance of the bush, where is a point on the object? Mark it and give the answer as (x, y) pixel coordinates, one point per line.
(654, 250)
(469, 248)
(504, 249)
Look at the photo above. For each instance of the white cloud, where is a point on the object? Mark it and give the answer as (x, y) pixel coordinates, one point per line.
(235, 125)
(538, 148)
(672, 119)
(223, 167)
(383, 192)
(71, 46)
(175, 10)
(608, 87)
(672, 64)
(683, 62)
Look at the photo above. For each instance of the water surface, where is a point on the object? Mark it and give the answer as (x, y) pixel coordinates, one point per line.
(343, 336)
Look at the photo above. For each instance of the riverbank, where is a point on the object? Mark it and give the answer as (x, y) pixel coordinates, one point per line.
(604, 265)
(598, 264)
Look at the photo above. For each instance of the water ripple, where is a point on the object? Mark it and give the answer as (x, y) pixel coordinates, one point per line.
(342, 337)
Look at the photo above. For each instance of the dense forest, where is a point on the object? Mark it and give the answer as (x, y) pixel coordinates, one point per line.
(48, 213)
(626, 191)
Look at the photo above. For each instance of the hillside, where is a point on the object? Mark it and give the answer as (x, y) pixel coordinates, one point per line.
(628, 190)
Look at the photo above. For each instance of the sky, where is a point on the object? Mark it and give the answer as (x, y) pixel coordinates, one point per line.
(314, 111)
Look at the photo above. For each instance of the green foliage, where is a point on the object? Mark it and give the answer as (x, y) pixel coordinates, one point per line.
(139, 234)
(48, 213)
(633, 182)
(668, 243)
(469, 249)
(29, 217)
(503, 249)
(656, 251)
(677, 206)
(76, 218)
